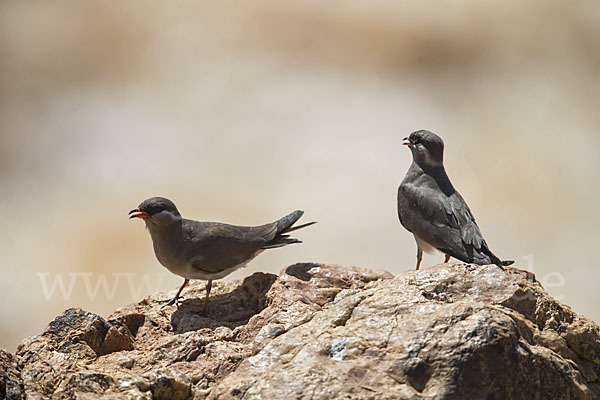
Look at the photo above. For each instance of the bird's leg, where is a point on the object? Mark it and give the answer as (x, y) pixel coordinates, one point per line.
(419, 256)
(208, 286)
(447, 258)
(175, 299)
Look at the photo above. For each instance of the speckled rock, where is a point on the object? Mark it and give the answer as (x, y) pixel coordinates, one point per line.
(11, 387)
(453, 331)
(152, 351)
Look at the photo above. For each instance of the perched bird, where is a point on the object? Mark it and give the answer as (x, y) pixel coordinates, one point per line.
(433, 211)
(208, 250)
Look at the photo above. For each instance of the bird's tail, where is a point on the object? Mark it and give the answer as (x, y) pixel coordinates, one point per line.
(495, 260)
(285, 226)
(499, 262)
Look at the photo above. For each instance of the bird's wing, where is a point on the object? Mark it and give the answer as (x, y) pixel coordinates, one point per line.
(213, 247)
(444, 222)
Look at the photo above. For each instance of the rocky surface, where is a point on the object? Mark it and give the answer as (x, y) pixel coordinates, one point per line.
(453, 331)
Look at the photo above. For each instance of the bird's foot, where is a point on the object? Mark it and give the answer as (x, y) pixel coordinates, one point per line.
(169, 302)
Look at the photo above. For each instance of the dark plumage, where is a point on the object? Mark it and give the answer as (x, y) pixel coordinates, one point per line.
(208, 250)
(433, 211)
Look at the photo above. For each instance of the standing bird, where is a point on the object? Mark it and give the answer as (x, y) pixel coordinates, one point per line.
(433, 211)
(208, 250)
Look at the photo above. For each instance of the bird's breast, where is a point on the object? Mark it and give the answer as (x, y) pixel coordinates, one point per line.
(168, 251)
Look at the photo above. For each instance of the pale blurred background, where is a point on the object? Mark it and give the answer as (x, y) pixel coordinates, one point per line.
(243, 111)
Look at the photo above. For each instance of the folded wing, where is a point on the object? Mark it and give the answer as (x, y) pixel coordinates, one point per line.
(443, 221)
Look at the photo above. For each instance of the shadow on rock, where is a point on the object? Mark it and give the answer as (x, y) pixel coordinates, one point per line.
(229, 309)
(301, 270)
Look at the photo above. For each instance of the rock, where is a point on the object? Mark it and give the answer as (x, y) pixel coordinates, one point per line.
(449, 332)
(453, 331)
(11, 387)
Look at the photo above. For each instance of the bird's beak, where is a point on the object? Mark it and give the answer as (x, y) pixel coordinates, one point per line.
(406, 142)
(137, 213)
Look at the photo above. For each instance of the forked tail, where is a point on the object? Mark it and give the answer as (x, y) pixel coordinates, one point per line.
(285, 226)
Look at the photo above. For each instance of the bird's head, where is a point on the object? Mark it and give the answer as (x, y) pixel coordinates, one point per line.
(156, 211)
(427, 148)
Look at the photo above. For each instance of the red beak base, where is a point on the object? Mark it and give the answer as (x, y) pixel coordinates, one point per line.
(137, 213)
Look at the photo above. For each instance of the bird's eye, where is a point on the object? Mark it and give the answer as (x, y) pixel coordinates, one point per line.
(416, 140)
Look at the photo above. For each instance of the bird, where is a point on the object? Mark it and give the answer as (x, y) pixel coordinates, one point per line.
(432, 209)
(208, 250)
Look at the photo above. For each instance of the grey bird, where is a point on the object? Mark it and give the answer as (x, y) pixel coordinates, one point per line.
(208, 250)
(433, 211)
